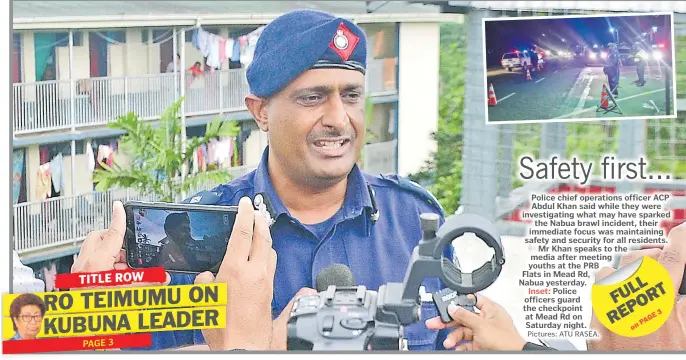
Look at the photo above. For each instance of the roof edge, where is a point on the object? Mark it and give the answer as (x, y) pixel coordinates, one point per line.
(133, 21)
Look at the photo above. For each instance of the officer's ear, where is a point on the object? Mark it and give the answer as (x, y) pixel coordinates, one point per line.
(258, 108)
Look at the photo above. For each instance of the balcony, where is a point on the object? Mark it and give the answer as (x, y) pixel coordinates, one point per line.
(48, 228)
(62, 104)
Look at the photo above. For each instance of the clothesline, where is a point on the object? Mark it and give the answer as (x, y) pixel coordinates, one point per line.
(218, 49)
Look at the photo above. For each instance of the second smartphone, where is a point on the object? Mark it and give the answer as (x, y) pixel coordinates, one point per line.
(182, 238)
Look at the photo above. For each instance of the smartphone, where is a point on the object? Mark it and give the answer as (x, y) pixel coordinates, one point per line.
(182, 238)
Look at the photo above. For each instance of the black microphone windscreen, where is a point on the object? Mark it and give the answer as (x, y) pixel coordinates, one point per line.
(335, 274)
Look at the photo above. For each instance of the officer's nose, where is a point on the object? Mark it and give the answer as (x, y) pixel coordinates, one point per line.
(336, 116)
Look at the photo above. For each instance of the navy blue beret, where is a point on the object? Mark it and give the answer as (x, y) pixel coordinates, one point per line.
(301, 40)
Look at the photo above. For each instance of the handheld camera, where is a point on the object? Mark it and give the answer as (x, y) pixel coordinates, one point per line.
(355, 318)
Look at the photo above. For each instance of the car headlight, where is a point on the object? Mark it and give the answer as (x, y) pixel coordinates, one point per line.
(657, 55)
(592, 55)
(603, 55)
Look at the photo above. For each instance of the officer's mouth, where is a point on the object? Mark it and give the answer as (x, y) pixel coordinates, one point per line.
(332, 148)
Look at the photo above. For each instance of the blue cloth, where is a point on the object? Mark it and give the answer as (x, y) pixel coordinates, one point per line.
(376, 252)
(236, 53)
(301, 40)
(16, 337)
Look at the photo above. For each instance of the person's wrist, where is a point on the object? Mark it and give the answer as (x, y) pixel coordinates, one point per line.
(516, 344)
(257, 340)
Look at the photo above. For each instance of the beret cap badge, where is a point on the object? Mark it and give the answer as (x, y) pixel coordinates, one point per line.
(344, 42)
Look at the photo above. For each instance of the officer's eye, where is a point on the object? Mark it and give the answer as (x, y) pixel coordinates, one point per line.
(310, 100)
(352, 96)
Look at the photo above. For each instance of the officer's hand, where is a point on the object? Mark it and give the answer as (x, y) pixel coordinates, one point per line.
(670, 336)
(490, 329)
(248, 270)
(102, 250)
(280, 333)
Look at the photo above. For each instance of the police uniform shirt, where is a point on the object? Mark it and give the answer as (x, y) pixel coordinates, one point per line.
(377, 252)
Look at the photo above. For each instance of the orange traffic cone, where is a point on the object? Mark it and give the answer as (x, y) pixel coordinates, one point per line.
(491, 96)
(528, 74)
(603, 99)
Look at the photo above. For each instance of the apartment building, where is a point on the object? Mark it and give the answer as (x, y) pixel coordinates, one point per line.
(77, 67)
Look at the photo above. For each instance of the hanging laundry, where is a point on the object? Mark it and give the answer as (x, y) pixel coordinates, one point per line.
(228, 48)
(222, 51)
(50, 274)
(248, 43)
(236, 53)
(44, 154)
(211, 152)
(17, 174)
(222, 152)
(43, 182)
(91, 157)
(213, 59)
(200, 41)
(56, 166)
(232, 150)
(202, 157)
(194, 161)
(105, 154)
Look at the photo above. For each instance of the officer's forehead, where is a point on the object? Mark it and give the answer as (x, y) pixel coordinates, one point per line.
(328, 79)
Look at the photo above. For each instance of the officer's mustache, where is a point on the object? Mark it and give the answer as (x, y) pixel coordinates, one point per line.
(327, 135)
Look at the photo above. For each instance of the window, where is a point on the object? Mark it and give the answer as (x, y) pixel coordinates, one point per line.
(62, 38)
(158, 35)
(383, 40)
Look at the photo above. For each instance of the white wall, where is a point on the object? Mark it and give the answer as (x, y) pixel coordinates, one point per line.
(418, 94)
(134, 57)
(28, 65)
(254, 146)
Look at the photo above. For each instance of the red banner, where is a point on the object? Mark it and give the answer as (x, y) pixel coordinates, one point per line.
(110, 278)
(76, 343)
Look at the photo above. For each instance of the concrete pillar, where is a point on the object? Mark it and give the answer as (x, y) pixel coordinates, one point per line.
(480, 141)
(417, 94)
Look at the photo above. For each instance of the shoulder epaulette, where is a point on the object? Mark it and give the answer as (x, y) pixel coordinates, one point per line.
(416, 189)
(209, 197)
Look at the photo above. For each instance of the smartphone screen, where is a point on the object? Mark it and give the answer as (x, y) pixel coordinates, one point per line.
(179, 238)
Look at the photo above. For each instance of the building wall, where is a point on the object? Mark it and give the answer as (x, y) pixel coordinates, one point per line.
(417, 94)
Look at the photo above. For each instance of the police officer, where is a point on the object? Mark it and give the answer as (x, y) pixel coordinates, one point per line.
(307, 91)
(640, 60)
(611, 69)
(533, 55)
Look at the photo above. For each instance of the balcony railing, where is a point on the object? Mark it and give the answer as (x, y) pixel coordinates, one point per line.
(63, 104)
(40, 225)
(63, 221)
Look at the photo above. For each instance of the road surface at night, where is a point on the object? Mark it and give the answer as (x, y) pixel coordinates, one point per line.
(565, 92)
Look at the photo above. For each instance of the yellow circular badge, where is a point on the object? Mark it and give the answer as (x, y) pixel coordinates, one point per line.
(634, 300)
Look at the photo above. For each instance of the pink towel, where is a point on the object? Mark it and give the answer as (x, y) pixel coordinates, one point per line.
(222, 50)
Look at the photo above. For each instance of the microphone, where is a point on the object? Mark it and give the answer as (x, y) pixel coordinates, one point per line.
(335, 274)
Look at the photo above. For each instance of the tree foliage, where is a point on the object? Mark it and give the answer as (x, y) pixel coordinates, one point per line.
(157, 157)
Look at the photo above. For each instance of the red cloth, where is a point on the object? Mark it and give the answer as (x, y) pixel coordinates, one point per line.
(43, 155)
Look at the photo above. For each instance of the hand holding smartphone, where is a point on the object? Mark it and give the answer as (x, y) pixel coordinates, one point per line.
(182, 238)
